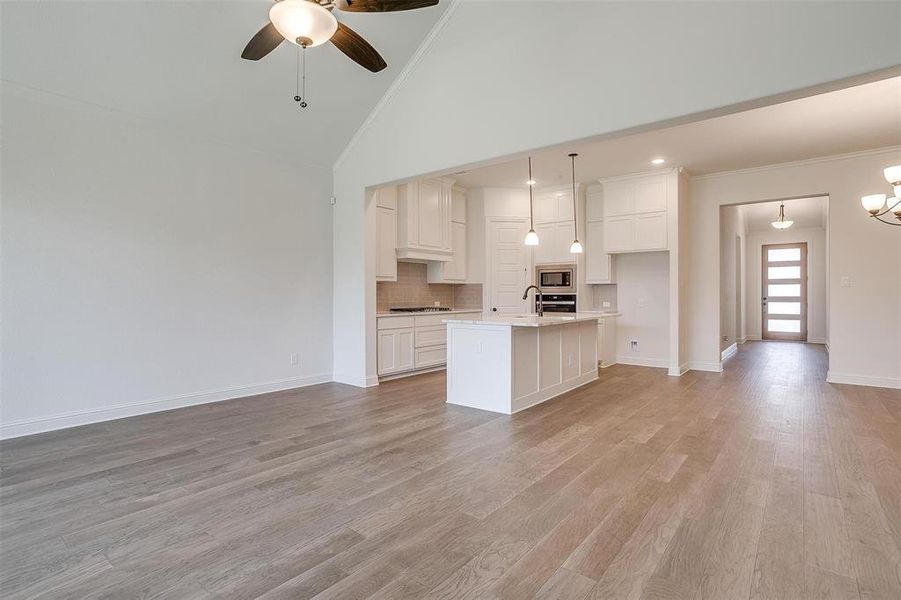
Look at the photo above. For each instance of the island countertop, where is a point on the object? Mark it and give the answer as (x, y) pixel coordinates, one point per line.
(531, 320)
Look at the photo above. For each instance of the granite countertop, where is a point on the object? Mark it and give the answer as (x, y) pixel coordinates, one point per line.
(528, 320)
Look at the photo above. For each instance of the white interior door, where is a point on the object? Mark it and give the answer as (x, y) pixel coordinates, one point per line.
(509, 271)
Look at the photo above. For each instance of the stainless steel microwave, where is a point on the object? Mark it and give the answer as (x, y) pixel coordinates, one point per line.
(556, 279)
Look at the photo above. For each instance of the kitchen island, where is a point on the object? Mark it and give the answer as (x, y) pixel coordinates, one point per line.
(508, 363)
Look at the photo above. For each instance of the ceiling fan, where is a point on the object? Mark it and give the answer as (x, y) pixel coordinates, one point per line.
(309, 23)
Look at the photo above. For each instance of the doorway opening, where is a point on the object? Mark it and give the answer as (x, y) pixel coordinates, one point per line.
(773, 280)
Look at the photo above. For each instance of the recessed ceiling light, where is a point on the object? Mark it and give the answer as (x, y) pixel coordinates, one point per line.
(658, 161)
(531, 182)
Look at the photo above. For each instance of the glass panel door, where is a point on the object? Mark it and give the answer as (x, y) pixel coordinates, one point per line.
(784, 286)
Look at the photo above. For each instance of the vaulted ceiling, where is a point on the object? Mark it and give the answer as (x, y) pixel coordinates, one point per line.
(178, 64)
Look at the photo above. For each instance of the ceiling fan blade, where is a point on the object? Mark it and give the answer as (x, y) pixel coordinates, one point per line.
(383, 5)
(357, 49)
(265, 41)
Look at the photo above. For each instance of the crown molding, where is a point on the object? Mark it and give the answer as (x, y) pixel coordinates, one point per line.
(798, 163)
(399, 80)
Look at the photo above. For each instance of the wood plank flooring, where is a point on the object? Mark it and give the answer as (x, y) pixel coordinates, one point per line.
(761, 482)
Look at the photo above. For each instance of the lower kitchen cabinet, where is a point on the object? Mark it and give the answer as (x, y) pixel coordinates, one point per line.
(407, 344)
(606, 342)
(395, 349)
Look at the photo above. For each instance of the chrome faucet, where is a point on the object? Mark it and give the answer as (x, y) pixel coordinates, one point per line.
(539, 294)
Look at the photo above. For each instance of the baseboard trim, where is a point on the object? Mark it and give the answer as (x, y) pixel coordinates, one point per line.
(640, 361)
(356, 380)
(729, 352)
(678, 371)
(867, 380)
(701, 365)
(19, 428)
(742, 339)
(412, 373)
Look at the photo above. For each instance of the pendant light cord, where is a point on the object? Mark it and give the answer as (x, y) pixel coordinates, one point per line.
(531, 185)
(575, 218)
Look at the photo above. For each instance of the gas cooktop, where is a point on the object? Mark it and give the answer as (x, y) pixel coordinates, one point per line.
(418, 309)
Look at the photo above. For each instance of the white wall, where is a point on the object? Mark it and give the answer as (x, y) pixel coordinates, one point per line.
(143, 270)
(864, 338)
(732, 226)
(482, 92)
(643, 294)
(816, 278)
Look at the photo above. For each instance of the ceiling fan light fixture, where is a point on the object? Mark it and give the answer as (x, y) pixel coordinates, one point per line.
(302, 22)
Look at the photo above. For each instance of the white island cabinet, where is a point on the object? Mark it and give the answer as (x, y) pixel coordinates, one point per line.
(508, 363)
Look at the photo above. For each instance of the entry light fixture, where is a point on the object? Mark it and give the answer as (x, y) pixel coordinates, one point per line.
(658, 161)
(576, 246)
(531, 237)
(780, 222)
(879, 205)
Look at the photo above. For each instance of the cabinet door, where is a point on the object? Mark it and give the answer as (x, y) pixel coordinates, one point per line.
(618, 234)
(617, 199)
(564, 206)
(547, 244)
(597, 261)
(594, 204)
(601, 347)
(386, 240)
(545, 208)
(458, 243)
(563, 239)
(650, 195)
(395, 350)
(386, 197)
(432, 214)
(650, 231)
(458, 206)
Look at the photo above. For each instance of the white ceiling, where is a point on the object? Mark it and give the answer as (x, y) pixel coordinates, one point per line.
(179, 63)
(807, 213)
(858, 118)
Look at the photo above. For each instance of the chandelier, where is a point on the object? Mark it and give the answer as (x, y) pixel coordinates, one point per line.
(879, 205)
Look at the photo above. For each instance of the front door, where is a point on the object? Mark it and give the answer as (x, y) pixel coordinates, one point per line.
(784, 292)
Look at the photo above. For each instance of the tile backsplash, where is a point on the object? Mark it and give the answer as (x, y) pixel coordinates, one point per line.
(413, 289)
(598, 294)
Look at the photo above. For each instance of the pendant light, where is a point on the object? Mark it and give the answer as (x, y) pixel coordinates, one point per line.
(531, 237)
(576, 247)
(780, 222)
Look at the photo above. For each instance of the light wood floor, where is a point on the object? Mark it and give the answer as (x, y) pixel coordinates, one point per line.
(762, 482)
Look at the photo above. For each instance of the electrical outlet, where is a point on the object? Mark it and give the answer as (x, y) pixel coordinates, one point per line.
(641, 302)
(605, 304)
(633, 345)
(571, 361)
(437, 303)
(845, 281)
(295, 359)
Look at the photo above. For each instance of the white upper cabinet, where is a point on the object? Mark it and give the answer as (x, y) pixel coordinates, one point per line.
(552, 206)
(424, 220)
(635, 212)
(554, 240)
(386, 234)
(453, 270)
(386, 197)
(598, 263)
(386, 243)
(458, 205)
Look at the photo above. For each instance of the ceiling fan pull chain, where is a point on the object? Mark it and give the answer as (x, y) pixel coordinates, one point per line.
(297, 97)
(303, 88)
